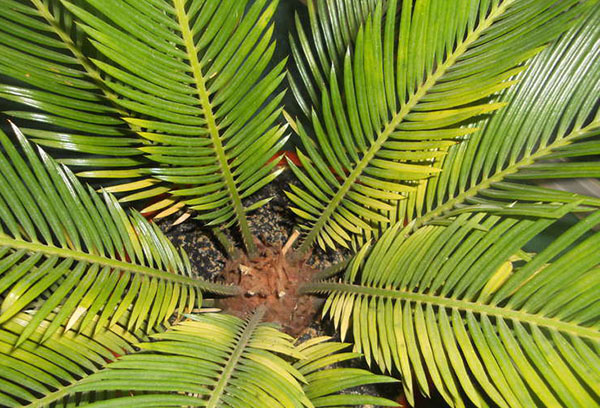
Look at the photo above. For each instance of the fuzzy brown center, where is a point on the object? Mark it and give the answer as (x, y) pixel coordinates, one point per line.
(272, 280)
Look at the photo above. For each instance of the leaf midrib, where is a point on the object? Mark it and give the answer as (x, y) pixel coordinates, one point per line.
(394, 122)
(203, 95)
(234, 358)
(47, 399)
(512, 169)
(83, 60)
(50, 250)
(462, 305)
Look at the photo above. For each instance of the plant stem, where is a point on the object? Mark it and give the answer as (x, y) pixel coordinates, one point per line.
(213, 128)
(290, 242)
(225, 242)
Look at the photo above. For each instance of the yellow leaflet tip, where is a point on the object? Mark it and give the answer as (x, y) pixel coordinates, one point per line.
(290, 120)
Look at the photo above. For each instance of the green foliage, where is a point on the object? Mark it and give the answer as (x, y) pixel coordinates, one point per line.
(466, 306)
(322, 386)
(426, 127)
(456, 276)
(218, 359)
(81, 253)
(42, 46)
(212, 360)
(188, 78)
(38, 375)
(391, 108)
(333, 28)
(551, 114)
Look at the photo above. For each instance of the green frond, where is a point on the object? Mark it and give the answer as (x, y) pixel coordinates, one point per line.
(35, 375)
(70, 109)
(552, 116)
(65, 248)
(392, 110)
(333, 28)
(194, 73)
(324, 383)
(215, 360)
(464, 305)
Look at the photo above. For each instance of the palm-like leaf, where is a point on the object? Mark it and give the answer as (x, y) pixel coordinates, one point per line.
(403, 104)
(466, 305)
(41, 46)
(215, 360)
(220, 360)
(82, 254)
(552, 115)
(36, 375)
(192, 71)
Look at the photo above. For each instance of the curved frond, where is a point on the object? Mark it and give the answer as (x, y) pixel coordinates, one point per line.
(552, 114)
(195, 73)
(466, 306)
(549, 129)
(404, 104)
(213, 361)
(216, 360)
(65, 248)
(324, 383)
(35, 375)
(70, 108)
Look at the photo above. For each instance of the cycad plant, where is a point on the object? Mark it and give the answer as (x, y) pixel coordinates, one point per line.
(425, 129)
